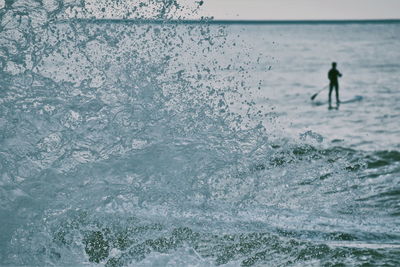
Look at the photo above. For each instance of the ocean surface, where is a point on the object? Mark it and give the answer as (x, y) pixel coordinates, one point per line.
(151, 144)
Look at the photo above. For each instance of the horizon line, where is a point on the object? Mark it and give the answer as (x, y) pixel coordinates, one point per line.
(224, 21)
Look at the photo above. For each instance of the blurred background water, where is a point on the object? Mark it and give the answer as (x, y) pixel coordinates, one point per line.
(139, 144)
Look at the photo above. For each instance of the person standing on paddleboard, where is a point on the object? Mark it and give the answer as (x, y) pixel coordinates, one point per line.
(333, 76)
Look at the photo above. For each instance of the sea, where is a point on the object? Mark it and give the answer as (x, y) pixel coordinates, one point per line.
(136, 142)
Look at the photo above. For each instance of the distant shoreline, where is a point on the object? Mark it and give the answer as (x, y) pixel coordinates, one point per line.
(242, 22)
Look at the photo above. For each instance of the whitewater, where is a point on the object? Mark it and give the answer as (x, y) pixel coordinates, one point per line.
(128, 140)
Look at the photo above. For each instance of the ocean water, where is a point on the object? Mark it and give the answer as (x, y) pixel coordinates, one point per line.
(127, 143)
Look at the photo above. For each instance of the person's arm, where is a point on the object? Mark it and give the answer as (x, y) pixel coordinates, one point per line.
(339, 74)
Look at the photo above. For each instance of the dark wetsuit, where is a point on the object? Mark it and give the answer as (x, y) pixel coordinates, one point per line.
(333, 75)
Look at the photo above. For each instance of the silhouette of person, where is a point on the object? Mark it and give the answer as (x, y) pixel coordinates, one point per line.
(333, 75)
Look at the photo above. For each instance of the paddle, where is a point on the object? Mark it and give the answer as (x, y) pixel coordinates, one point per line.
(315, 95)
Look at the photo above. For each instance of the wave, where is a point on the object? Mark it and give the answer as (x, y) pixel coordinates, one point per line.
(131, 144)
(138, 241)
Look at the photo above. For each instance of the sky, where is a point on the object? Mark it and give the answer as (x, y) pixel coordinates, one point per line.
(301, 9)
(291, 9)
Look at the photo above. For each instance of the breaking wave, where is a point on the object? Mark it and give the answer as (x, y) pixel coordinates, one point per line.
(127, 143)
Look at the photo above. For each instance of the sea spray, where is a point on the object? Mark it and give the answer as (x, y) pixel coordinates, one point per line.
(139, 142)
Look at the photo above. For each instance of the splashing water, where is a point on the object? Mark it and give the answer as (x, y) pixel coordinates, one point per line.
(138, 142)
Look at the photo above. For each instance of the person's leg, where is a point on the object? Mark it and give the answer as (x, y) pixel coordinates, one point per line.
(330, 92)
(337, 93)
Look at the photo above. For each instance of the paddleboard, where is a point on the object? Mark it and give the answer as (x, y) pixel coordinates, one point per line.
(357, 98)
(354, 99)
